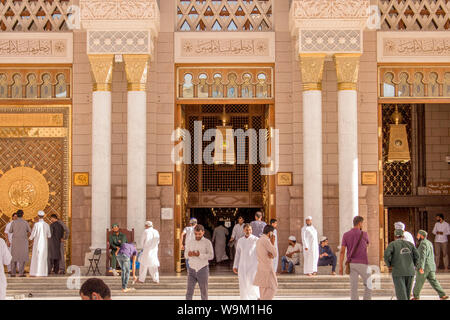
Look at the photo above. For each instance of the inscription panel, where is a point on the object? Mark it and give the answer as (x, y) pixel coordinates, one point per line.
(416, 46)
(239, 47)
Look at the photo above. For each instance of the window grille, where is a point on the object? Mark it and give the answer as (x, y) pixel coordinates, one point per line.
(397, 176)
(34, 15)
(415, 15)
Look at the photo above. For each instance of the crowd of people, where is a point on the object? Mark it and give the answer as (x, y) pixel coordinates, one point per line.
(48, 254)
(255, 256)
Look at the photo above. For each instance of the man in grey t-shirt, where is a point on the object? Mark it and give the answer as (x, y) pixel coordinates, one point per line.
(258, 225)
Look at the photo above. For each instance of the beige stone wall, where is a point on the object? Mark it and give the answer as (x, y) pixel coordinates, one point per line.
(284, 120)
(437, 141)
(81, 140)
(288, 118)
(162, 108)
(160, 121)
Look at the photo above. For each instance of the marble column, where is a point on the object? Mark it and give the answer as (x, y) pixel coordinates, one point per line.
(101, 70)
(312, 71)
(347, 67)
(136, 67)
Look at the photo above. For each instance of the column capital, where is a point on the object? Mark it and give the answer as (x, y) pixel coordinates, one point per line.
(311, 65)
(136, 66)
(101, 69)
(347, 69)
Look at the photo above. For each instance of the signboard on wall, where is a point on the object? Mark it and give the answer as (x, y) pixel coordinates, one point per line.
(438, 188)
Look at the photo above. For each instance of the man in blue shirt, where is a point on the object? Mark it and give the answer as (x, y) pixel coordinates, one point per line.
(326, 256)
(125, 254)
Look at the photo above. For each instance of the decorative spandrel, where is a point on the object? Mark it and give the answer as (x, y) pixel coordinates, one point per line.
(224, 15)
(225, 83)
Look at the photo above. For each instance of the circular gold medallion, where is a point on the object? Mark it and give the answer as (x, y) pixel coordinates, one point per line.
(23, 188)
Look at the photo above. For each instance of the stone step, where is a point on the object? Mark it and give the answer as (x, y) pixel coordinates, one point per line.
(219, 293)
(234, 280)
(219, 285)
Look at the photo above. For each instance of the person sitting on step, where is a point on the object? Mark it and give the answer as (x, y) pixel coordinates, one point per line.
(292, 256)
(326, 255)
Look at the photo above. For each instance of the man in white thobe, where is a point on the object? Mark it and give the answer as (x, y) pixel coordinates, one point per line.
(220, 241)
(441, 231)
(39, 235)
(238, 232)
(9, 235)
(246, 264)
(5, 259)
(310, 248)
(406, 235)
(274, 224)
(149, 259)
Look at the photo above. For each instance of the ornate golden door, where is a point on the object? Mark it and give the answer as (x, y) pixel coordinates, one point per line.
(35, 144)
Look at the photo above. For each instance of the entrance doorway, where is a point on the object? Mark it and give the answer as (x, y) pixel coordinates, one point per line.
(219, 191)
(405, 215)
(211, 218)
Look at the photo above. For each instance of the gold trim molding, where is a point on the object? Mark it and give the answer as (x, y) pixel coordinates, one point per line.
(136, 67)
(311, 66)
(33, 132)
(102, 70)
(31, 120)
(347, 69)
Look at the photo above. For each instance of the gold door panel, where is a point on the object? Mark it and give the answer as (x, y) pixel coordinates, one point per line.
(35, 162)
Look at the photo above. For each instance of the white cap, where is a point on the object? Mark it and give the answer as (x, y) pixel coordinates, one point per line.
(149, 224)
(399, 225)
(292, 238)
(308, 218)
(41, 213)
(323, 238)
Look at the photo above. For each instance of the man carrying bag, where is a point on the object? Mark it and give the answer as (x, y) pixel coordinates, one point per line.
(355, 242)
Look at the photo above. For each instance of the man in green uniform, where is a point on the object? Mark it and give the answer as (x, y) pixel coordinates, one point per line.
(116, 238)
(426, 267)
(402, 256)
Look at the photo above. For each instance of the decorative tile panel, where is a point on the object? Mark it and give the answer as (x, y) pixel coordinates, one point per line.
(119, 9)
(330, 40)
(123, 42)
(330, 9)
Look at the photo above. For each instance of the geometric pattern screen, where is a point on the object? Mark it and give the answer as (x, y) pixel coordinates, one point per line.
(225, 15)
(397, 176)
(238, 177)
(415, 15)
(34, 15)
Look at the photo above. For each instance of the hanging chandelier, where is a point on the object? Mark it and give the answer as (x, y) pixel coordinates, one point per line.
(398, 140)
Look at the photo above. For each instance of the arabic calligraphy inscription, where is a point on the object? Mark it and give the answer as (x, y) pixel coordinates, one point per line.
(33, 48)
(225, 47)
(416, 47)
